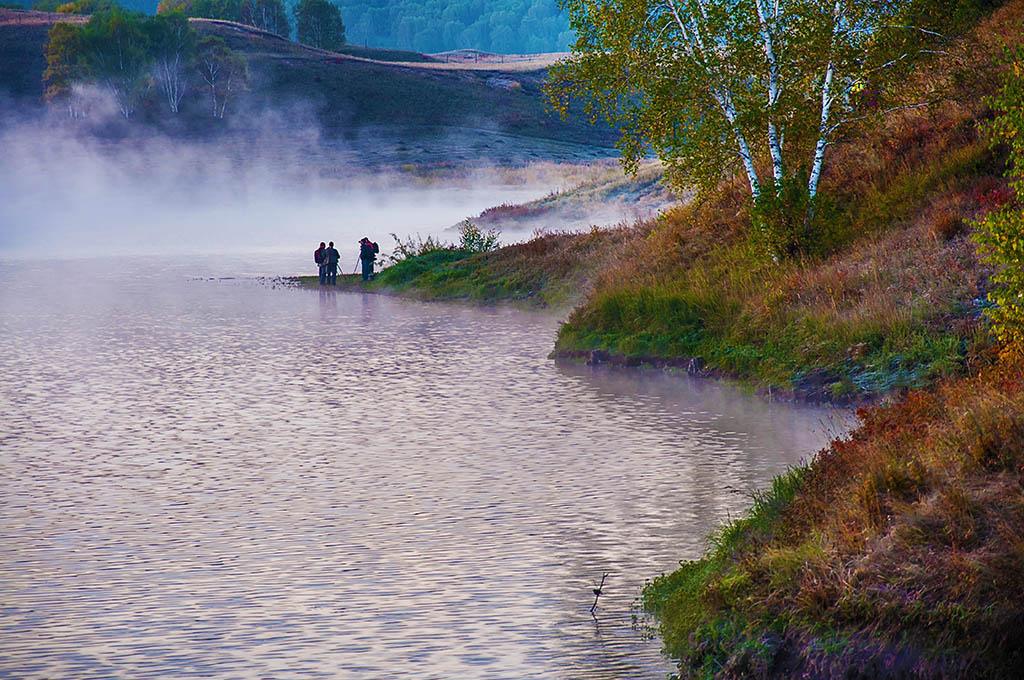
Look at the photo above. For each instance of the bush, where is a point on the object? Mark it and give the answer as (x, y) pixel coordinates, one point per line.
(413, 246)
(1001, 234)
(789, 223)
(475, 239)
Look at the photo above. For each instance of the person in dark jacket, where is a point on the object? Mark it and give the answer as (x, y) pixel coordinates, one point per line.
(320, 257)
(332, 264)
(367, 253)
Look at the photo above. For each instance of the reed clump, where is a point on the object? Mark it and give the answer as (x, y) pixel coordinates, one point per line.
(553, 269)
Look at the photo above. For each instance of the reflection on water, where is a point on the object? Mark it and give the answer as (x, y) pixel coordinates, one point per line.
(222, 478)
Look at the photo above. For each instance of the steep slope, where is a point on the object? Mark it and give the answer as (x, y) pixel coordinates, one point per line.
(895, 303)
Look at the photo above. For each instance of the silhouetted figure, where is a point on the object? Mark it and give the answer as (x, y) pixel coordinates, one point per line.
(367, 253)
(332, 264)
(320, 257)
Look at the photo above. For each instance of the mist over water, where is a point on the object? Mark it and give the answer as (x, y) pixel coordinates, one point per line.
(213, 476)
(67, 193)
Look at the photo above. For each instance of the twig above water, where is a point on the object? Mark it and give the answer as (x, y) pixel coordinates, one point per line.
(597, 592)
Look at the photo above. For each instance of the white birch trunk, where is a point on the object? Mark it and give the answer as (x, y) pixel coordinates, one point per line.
(774, 138)
(692, 34)
(827, 100)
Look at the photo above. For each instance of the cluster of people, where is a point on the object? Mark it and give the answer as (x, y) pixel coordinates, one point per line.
(326, 258)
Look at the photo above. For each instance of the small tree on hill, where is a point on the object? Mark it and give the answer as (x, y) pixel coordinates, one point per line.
(115, 50)
(225, 73)
(64, 68)
(266, 15)
(475, 239)
(173, 44)
(1001, 233)
(318, 23)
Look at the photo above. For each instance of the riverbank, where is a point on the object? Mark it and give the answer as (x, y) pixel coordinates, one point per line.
(554, 270)
(896, 552)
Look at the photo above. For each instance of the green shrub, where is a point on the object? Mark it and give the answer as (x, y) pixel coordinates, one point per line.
(789, 223)
(413, 246)
(475, 239)
(1001, 233)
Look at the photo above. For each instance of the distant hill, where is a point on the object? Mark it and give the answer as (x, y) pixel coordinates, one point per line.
(392, 107)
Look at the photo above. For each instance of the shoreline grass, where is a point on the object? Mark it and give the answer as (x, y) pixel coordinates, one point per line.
(896, 550)
(553, 270)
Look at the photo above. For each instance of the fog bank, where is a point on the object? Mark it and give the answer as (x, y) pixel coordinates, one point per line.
(67, 194)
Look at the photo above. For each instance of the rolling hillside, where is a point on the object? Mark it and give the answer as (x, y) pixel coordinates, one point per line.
(391, 107)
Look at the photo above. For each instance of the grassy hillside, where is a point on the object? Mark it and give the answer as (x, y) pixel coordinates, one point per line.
(898, 551)
(894, 305)
(482, 112)
(22, 35)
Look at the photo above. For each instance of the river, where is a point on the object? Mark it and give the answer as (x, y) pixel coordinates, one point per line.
(208, 474)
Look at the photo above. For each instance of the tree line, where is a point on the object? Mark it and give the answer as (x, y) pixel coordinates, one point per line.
(507, 27)
(128, 54)
(316, 22)
(504, 26)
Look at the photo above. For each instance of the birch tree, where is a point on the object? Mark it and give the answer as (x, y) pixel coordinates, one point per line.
(224, 73)
(765, 86)
(266, 15)
(64, 69)
(173, 48)
(115, 50)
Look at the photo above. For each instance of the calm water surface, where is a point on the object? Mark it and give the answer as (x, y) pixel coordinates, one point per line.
(223, 478)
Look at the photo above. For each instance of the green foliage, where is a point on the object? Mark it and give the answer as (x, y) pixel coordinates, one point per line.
(64, 65)
(789, 223)
(413, 246)
(717, 86)
(413, 263)
(318, 23)
(125, 52)
(173, 47)
(1001, 233)
(115, 51)
(88, 6)
(228, 10)
(476, 240)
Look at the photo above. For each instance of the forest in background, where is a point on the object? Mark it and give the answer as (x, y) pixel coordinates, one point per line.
(508, 27)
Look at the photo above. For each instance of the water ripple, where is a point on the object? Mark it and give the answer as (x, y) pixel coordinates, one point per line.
(228, 480)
